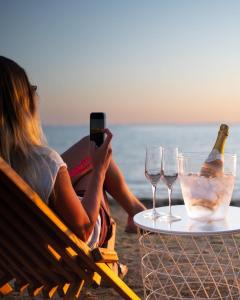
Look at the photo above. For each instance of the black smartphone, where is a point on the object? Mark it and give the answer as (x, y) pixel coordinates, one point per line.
(97, 124)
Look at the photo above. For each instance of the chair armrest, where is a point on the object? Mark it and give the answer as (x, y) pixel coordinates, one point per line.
(104, 255)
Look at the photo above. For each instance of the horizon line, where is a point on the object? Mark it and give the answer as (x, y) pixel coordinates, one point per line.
(143, 124)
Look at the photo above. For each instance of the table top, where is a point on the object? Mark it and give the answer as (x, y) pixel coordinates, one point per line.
(187, 226)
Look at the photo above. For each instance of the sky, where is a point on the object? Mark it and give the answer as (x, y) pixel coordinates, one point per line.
(152, 61)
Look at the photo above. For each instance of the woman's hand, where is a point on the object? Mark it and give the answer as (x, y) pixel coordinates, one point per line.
(102, 155)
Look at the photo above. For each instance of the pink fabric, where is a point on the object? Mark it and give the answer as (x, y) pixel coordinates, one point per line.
(82, 168)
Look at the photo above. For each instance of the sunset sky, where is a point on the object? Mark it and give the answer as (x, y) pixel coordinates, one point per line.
(139, 61)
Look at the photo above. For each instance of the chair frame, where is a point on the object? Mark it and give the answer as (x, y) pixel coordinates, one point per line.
(41, 253)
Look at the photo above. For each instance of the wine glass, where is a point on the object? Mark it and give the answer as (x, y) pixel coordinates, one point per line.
(153, 163)
(169, 176)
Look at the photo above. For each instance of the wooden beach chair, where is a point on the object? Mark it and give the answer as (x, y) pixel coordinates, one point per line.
(41, 253)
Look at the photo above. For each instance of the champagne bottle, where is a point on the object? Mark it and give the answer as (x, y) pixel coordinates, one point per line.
(213, 165)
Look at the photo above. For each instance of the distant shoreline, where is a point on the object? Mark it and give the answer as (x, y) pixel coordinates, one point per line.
(164, 202)
(148, 202)
(86, 124)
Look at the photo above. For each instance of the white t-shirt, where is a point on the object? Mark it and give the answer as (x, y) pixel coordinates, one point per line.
(48, 162)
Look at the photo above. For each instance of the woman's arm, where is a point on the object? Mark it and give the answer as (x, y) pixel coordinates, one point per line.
(81, 216)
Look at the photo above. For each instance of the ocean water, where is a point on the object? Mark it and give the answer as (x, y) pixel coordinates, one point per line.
(130, 141)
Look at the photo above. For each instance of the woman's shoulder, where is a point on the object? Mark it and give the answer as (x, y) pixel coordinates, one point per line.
(50, 155)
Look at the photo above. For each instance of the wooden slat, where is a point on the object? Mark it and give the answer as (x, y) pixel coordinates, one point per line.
(21, 286)
(48, 292)
(112, 240)
(5, 289)
(43, 235)
(23, 261)
(27, 238)
(34, 290)
(16, 186)
(104, 255)
(54, 253)
(74, 291)
(62, 289)
(18, 262)
(111, 243)
(22, 247)
(77, 264)
(31, 220)
(9, 265)
(71, 252)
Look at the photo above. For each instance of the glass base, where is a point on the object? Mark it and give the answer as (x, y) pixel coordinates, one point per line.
(153, 215)
(170, 218)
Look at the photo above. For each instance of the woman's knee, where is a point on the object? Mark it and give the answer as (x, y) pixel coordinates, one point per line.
(76, 152)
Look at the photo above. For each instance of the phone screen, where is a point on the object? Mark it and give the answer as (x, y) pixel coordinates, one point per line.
(97, 124)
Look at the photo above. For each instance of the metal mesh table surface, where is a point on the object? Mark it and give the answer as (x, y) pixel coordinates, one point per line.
(190, 260)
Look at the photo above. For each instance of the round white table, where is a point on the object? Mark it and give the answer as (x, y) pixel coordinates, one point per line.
(190, 259)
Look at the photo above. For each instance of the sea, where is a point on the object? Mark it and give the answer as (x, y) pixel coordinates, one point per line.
(129, 147)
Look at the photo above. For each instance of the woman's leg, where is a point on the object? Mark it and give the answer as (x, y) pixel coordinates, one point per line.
(72, 158)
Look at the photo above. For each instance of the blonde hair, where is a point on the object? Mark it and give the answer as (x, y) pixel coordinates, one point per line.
(20, 128)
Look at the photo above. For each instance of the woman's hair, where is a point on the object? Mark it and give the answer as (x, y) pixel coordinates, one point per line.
(20, 129)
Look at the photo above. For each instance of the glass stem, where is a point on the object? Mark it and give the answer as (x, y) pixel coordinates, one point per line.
(169, 201)
(154, 198)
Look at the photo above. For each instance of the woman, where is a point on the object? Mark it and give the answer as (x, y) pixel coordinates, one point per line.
(80, 200)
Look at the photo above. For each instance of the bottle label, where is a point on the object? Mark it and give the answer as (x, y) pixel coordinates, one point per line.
(214, 155)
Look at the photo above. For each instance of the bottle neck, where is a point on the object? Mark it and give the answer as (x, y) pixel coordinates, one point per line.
(220, 142)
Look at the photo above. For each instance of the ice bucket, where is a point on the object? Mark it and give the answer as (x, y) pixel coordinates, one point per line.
(206, 198)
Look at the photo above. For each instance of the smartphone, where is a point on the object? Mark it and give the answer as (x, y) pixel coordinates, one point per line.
(97, 124)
